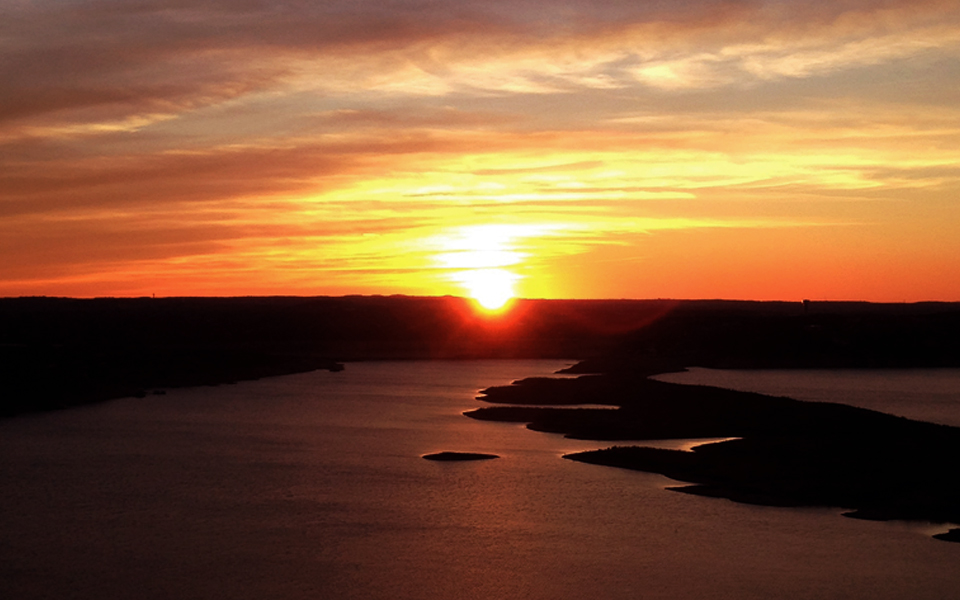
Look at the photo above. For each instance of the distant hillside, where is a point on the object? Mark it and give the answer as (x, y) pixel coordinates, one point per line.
(756, 335)
(58, 352)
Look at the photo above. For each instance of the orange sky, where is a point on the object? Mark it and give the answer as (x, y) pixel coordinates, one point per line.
(574, 149)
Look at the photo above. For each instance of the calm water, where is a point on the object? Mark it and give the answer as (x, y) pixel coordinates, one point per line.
(312, 486)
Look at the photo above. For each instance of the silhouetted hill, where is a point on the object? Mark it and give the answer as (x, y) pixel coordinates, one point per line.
(59, 352)
(730, 335)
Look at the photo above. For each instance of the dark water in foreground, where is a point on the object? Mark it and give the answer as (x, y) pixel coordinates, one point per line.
(312, 486)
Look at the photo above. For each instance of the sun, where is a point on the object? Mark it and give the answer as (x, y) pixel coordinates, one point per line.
(480, 259)
(491, 288)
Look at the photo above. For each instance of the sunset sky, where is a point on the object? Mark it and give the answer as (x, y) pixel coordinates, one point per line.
(565, 149)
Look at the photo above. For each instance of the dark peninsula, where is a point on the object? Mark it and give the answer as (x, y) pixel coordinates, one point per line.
(786, 452)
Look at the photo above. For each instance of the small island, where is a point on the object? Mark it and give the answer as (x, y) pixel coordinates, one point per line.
(459, 456)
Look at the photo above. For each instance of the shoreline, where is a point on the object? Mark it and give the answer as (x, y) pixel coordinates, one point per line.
(788, 452)
(56, 378)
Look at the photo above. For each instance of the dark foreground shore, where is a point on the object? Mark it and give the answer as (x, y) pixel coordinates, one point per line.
(786, 452)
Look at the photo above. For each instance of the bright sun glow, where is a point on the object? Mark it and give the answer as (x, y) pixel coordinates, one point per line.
(477, 258)
(491, 288)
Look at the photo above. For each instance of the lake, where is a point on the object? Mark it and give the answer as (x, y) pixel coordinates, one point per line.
(313, 486)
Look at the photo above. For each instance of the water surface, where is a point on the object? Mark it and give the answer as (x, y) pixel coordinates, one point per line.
(313, 486)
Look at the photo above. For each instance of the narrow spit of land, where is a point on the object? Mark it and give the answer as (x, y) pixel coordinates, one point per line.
(786, 452)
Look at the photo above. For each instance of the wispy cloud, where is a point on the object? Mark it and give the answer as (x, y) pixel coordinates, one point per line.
(289, 146)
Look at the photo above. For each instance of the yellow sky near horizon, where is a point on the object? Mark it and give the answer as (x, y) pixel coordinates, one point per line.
(692, 149)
